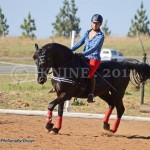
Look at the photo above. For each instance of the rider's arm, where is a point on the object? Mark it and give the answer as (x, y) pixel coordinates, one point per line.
(96, 45)
(78, 44)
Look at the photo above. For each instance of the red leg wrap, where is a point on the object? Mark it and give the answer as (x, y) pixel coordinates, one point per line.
(115, 125)
(49, 116)
(107, 115)
(58, 122)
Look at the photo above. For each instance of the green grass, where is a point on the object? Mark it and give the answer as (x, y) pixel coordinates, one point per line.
(26, 95)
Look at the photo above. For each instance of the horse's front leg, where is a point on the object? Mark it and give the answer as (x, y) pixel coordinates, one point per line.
(58, 124)
(51, 106)
(60, 100)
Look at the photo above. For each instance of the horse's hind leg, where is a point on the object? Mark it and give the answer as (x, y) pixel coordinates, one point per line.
(120, 110)
(107, 98)
(117, 97)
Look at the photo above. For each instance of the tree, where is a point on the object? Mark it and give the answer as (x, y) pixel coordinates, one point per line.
(66, 20)
(106, 29)
(139, 23)
(28, 27)
(3, 24)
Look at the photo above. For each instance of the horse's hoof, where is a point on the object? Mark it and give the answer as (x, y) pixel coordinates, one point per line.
(106, 126)
(112, 131)
(108, 132)
(54, 131)
(49, 127)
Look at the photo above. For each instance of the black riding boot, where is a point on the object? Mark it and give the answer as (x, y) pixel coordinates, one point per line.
(91, 90)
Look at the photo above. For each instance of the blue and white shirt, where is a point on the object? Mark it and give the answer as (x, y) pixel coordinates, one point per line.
(92, 47)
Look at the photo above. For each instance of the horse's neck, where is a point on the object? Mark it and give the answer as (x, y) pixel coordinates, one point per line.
(62, 59)
(69, 69)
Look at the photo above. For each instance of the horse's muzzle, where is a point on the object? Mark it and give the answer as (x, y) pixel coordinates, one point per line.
(42, 80)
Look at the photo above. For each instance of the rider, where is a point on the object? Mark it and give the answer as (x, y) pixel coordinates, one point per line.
(93, 40)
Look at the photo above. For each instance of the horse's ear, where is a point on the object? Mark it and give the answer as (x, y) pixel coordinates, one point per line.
(36, 46)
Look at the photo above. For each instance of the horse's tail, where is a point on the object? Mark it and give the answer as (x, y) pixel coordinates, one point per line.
(140, 71)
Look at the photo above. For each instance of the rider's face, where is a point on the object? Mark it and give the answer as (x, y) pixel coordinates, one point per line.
(95, 25)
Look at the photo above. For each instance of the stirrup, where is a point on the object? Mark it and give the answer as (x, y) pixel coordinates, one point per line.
(90, 98)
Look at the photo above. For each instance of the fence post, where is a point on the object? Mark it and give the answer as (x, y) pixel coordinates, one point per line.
(143, 83)
(73, 34)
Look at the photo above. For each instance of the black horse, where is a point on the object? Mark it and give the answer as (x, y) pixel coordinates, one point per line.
(70, 80)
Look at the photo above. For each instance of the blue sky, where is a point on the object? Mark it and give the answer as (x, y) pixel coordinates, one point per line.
(118, 13)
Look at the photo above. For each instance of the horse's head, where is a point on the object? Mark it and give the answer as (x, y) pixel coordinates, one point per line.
(42, 60)
(55, 56)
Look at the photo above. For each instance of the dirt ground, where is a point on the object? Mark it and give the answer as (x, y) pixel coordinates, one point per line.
(27, 132)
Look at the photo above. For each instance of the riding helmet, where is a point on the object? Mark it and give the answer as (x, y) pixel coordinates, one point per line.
(97, 18)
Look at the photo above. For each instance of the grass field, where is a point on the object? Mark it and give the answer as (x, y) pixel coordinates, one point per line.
(31, 95)
(24, 48)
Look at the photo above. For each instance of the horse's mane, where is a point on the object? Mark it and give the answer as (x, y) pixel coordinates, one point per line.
(52, 46)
